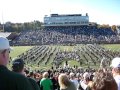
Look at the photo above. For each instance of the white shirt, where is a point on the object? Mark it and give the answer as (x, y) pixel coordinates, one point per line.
(75, 82)
(83, 85)
(117, 79)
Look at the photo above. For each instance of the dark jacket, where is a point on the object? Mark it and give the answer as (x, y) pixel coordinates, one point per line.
(34, 84)
(13, 81)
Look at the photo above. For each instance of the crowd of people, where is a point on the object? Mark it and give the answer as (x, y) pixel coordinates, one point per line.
(67, 34)
(62, 78)
(88, 54)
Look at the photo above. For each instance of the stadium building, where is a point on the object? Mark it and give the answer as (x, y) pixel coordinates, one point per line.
(74, 24)
(66, 20)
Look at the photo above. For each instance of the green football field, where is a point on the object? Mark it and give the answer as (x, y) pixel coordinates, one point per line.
(17, 50)
(114, 47)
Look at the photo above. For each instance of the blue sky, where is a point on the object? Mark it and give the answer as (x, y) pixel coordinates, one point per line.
(100, 11)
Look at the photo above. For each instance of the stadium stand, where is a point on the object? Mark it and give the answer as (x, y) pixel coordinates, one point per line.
(60, 29)
(118, 29)
(67, 29)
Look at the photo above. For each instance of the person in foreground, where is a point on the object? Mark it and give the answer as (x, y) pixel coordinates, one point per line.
(115, 65)
(18, 67)
(65, 83)
(103, 80)
(46, 83)
(8, 79)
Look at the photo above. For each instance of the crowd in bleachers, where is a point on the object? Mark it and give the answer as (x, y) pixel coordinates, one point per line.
(86, 30)
(64, 35)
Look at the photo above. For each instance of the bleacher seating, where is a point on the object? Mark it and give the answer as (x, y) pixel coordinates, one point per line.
(67, 34)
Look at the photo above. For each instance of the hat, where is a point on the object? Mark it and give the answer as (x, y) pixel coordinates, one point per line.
(115, 62)
(18, 65)
(86, 75)
(72, 74)
(4, 43)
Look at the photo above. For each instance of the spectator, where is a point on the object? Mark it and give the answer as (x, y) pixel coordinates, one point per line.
(116, 70)
(10, 80)
(84, 83)
(65, 83)
(46, 83)
(54, 81)
(104, 81)
(18, 66)
(73, 79)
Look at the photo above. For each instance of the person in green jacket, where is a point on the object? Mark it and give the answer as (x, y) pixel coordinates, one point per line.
(10, 80)
(46, 83)
(18, 67)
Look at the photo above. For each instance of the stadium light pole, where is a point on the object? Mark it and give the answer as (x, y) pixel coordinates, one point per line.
(3, 21)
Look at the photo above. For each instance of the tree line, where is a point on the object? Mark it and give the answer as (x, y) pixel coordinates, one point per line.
(18, 27)
(37, 25)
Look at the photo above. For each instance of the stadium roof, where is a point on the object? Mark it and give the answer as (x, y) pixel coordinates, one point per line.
(4, 34)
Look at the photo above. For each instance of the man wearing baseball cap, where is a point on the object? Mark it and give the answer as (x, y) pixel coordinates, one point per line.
(8, 79)
(18, 67)
(116, 70)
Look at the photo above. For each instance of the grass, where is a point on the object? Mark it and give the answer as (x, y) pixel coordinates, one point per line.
(17, 50)
(114, 47)
(66, 48)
